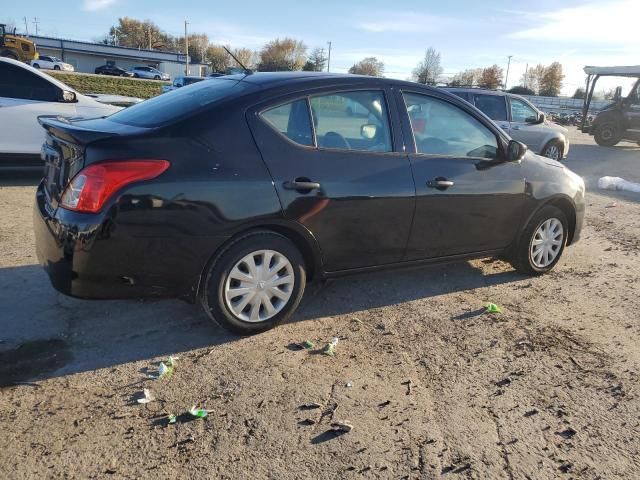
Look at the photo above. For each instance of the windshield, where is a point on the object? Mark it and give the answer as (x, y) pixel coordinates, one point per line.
(179, 103)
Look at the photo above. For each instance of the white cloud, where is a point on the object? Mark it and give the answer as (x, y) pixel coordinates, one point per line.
(596, 23)
(409, 22)
(94, 5)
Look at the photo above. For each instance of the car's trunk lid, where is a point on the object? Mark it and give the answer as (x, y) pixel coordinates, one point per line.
(64, 149)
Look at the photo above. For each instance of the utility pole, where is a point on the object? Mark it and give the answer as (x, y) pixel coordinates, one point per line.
(26, 27)
(36, 22)
(329, 58)
(506, 80)
(186, 50)
(526, 76)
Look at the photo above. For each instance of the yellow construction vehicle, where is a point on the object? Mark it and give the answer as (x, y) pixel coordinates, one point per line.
(16, 47)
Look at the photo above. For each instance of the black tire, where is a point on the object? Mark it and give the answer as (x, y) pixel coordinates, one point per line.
(607, 134)
(213, 297)
(548, 148)
(56, 67)
(135, 75)
(157, 77)
(35, 65)
(521, 255)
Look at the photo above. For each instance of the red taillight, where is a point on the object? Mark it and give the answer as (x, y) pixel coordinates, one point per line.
(94, 185)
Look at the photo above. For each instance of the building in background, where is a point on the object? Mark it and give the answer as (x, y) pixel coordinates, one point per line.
(86, 56)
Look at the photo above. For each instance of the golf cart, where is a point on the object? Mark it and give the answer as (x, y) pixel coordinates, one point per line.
(621, 119)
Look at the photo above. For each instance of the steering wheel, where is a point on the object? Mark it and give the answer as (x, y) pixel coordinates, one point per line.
(335, 140)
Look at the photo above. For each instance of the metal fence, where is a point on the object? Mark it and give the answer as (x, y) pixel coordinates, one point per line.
(564, 104)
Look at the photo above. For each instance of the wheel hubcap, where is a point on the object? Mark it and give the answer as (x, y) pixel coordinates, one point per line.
(546, 243)
(259, 286)
(606, 134)
(553, 152)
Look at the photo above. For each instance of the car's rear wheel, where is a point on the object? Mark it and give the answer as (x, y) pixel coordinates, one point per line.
(553, 150)
(135, 75)
(255, 283)
(542, 242)
(607, 134)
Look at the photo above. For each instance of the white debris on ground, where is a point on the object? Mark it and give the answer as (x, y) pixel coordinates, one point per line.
(617, 183)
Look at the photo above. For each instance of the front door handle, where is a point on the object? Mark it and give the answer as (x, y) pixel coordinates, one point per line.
(301, 185)
(440, 183)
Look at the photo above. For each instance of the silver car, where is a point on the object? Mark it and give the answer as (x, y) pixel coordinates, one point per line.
(520, 119)
(149, 72)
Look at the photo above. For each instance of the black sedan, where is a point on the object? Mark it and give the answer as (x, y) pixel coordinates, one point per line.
(113, 70)
(237, 191)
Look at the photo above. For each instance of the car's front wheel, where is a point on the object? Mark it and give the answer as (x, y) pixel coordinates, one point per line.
(542, 242)
(56, 67)
(157, 77)
(553, 150)
(36, 65)
(255, 283)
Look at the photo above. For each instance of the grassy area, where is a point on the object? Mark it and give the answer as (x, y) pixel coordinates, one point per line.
(131, 87)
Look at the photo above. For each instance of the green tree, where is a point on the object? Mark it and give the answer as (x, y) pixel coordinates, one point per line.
(429, 69)
(520, 90)
(285, 54)
(370, 66)
(317, 61)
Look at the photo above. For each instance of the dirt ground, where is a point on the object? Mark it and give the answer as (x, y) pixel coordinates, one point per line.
(547, 389)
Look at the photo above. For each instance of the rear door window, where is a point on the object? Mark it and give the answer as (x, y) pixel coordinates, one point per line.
(291, 120)
(352, 121)
(493, 106)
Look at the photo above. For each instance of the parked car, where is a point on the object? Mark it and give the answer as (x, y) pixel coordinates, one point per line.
(51, 63)
(113, 70)
(117, 100)
(520, 119)
(25, 93)
(182, 82)
(237, 191)
(149, 72)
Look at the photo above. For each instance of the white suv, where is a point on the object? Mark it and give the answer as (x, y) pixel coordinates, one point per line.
(51, 63)
(26, 93)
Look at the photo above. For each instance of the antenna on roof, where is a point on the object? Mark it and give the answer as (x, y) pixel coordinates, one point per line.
(247, 71)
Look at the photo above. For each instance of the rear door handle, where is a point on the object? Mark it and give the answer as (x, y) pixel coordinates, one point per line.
(440, 184)
(301, 185)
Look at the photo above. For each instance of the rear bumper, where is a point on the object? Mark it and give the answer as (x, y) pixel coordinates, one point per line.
(96, 257)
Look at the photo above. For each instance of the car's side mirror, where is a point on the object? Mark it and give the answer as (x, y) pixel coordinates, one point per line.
(541, 118)
(68, 97)
(368, 131)
(516, 151)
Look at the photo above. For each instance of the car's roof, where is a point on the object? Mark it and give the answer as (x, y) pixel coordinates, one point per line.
(275, 79)
(484, 91)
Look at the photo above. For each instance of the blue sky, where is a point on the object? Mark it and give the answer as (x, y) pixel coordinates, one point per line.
(468, 33)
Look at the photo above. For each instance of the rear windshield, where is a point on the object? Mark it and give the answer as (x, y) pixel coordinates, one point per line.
(172, 106)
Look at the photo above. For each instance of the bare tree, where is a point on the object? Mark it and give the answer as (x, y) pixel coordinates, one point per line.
(285, 54)
(370, 66)
(429, 69)
(491, 77)
(218, 58)
(532, 78)
(134, 33)
(467, 78)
